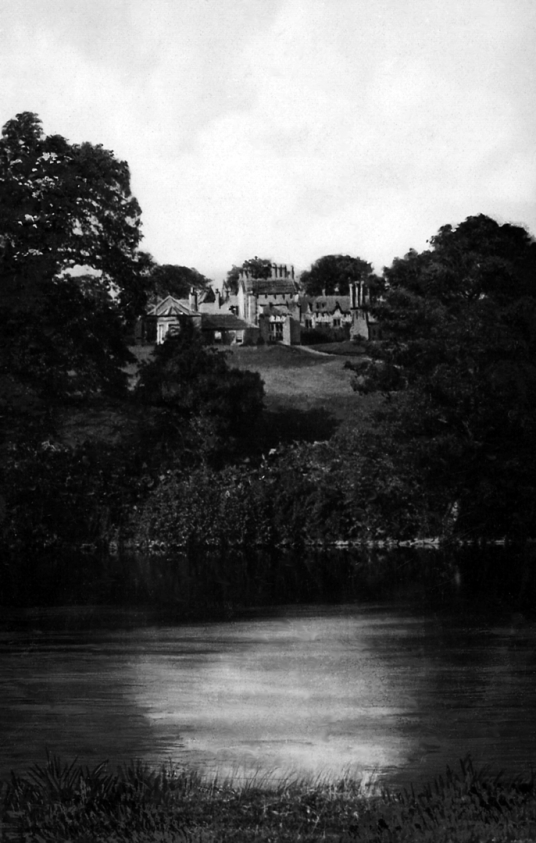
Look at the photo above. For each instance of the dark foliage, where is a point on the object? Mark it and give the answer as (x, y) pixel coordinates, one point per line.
(72, 279)
(54, 495)
(459, 361)
(332, 274)
(257, 268)
(317, 336)
(170, 280)
(202, 404)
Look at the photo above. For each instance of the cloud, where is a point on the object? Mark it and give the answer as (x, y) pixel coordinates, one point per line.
(293, 128)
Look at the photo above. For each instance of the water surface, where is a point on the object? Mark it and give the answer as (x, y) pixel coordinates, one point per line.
(392, 687)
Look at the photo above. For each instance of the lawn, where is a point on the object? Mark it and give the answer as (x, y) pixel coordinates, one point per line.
(308, 391)
(306, 381)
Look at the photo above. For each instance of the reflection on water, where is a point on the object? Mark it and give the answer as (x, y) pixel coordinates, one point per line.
(307, 692)
(391, 686)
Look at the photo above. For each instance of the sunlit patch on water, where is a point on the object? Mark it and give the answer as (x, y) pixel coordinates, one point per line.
(380, 692)
(306, 695)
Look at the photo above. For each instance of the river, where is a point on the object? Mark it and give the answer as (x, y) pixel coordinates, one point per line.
(394, 688)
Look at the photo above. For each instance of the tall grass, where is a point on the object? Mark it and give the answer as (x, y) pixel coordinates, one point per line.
(57, 801)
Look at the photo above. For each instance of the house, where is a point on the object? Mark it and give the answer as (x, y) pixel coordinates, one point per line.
(348, 315)
(364, 324)
(270, 305)
(161, 318)
(212, 313)
(270, 310)
(323, 313)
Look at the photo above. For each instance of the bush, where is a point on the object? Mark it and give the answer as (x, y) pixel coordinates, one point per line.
(315, 336)
(55, 495)
(192, 387)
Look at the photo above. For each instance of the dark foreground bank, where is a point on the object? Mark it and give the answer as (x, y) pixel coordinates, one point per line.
(58, 802)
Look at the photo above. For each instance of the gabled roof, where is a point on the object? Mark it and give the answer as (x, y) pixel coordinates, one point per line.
(207, 295)
(170, 307)
(329, 304)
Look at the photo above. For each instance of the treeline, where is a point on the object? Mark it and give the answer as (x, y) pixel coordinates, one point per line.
(96, 494)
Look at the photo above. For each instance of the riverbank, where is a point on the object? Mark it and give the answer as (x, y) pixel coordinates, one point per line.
(66, 802)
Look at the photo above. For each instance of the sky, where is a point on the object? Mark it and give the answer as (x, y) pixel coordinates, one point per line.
(289, 129)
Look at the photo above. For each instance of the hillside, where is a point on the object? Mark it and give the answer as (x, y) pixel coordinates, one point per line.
(308, 396)
(307, 391)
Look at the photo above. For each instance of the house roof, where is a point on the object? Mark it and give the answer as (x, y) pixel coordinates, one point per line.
(206, 296)
(270, 286)
(222, 322)
(214, 308)
(170, 307)
(283, 309)
(326, 304)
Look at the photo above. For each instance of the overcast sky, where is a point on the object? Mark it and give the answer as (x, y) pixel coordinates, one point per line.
(289, 129)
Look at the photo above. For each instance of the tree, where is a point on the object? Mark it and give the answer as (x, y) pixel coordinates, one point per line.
(459, 362)
(200, 401)
(177, 281)
(332, 274)
(256, 267)
(72, 277)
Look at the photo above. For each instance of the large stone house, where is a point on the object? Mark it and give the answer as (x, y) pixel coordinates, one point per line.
(270, 305)
(269, 310)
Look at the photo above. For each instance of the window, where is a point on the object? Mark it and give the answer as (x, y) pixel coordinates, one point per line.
(276, 331)
(337, 323)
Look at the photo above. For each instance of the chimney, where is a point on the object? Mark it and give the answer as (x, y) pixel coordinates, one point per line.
(218, 299)
(352, 291)
(192, 300)
(252, 309)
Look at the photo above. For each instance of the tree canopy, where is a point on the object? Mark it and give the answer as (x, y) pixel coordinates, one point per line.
(332, 274)
(257, 268)
(200, 400)
(459, 361)
(72, 275)
(171, 280)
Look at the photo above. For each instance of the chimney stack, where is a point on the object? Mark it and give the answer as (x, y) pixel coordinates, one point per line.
(192, 300)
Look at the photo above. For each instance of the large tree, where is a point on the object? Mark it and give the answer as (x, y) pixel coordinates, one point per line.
(172, 280)
(333, 273)
(459, 362)
(72, 277)
(256, 267)
(200, 403)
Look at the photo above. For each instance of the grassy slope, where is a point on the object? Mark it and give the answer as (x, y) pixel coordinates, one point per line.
(306, 380)
(308, 396)
(296, 377)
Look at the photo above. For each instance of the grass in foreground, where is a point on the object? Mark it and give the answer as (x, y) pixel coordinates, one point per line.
(66, 802)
